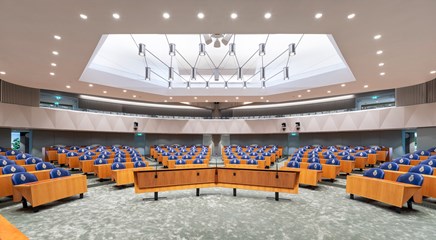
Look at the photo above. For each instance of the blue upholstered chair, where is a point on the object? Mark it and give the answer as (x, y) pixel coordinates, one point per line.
(72, 154)
(351, 150)
(172, 157)
(12, 152)
(253, 154)
(344, 153)
(422, 169)
(293, 164)
(23, 177)
(9, 169)
(235, 161)
(6, 162)
(371, 151)
(432, 157)
(3, 157)
(252, 162)
(344, 147)
(374, 173)
(43, 166)
(422, 153)
(22, 156)
(348, 158)
(89, 153)
(85, 157)
(198, 161)
(404, 161)
(245, 157)
(99, 161)
(361, 154)
(412, 156)
(187, 156)
(180, 162)
(103, 156)
(138, 164)
(297, 159)
(359, 148)
(62, 150)
(59, 172)
(390, 166)
(329, 156)
(315, 166)
(377, 148)
(313, 160)
(433, 149)
(33, 160)
(333, 161)
(82, 150)
(120, 160)
(74, 148)
(118, 165)
(411, 178)
(260, 157)
(429, 162)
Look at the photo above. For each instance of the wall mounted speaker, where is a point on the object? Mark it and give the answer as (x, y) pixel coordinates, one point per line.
(135, 126)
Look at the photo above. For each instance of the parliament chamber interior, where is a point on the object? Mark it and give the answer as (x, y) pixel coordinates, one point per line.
(217, 119)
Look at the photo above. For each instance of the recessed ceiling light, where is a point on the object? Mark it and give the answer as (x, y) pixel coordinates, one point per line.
(308, 90)
(2, 73)
(343, 85)
(195, 97)
(366, 86)
(261, 98)
(134, 96)
(378, 36)
(433, 72)
(382, 73)
(57, 37)
(116, 16)
(104, 92)
(200, 15)
(379, 52)
(166, 15)
(381, 64)
(329, 91)
(52, 73)
(68, 86)
(234, 15)
(267, 100)
(53, 64)
(299, 96)
(267, 15)
(237, 98)
(351, 16)
(206, 100)
(55, 53)
(165, 100)
(91, 85)
(318, 15)
(171, 98)
(83, 16)
(226, 100)
(124, 90)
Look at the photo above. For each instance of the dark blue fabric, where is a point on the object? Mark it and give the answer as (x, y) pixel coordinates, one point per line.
(63, 150)
(85, 157)
(23, 177)
(374, 173)
(404, 161)
(22, 156)
(43, 166)
(13, 169)
(348, 158)
(12, 152)
(361, 154)
(72, 154)
(235, 161)
(390, 166)
(422, 153)
(293, 164)
(411, 178)
(422, 169)
(429, 162)
(180, 161)
(99, 161)
(59, 172)
(33, 160)
(139, 164)
(120, 160)
(412, 156)
(252, 162)
(315, 166)
(333, 162)
(313, 160)
(5, 162)
(117, 165)
(198, 161)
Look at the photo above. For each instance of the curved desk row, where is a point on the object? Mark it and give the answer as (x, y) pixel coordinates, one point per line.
(188, 178)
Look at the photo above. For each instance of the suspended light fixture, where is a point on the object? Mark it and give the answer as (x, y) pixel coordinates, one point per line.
(262, 49)
(147, 73)
(169, 85)
(286, 73)
(202, 51)
(262, 73)
(188, 85)
(172, 49)
(193, 73)
(226, 85)
(240, 76)
(232, 49)
(141, 51)
(292, 49)
(207, 84)
(263, 84)
(245, 85)
(170, 73)
(217, 43)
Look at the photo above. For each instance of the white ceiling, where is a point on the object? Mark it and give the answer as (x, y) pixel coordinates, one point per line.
(407, 28)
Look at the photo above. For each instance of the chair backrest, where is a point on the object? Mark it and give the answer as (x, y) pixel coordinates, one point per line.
(85, 157)
(252, 162)
(344, 153)
(138, 164)
(74, 148)
(333, 162)
(235, 161)
(412, 156)
(99, 161)
(89, 153)
(293, 164)
(313, 160)
(43, 166)
(430, 162)
(374, 173)
(62, 150)
(390, 166)
(12, 152)
(120, 160)
(260, 157)
(349, 158)
(315, 166)
(422, 153)
(411, 178)
(9, 169)
(103, 156)
(23, 177)
(59, 172)
(361, 154)
(180, 161)
(3, 157)
(404, 161)
(422, 169)
(22, 156)
(5, 162)
(72, 154)
(198, 161)
(33, 160)
(117, 165)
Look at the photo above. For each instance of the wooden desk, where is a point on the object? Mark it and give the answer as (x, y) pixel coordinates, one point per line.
(330, 171)
(73, 162)
(372, 159)
(428, 186)
(50, 190)
(9, 231)
(104, 170)
(6, 187)
(386, 191)
(360, 162)
(251, 179)
(28, 168)
(125, 176)
(62, 158)
(307, 177)
(347, 166)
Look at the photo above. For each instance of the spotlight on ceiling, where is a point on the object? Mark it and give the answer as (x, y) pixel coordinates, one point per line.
(147, 73)
(262, 49)
(193, 73)
(286, 73)
(232, 49)
(226, 39)
(202, 51)
(200, 15)
(292, 49)
(141, 51)
(207, 39)
(217, 43)
(172, 49)
(170, 74)
(233, 15)
(267, 15)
